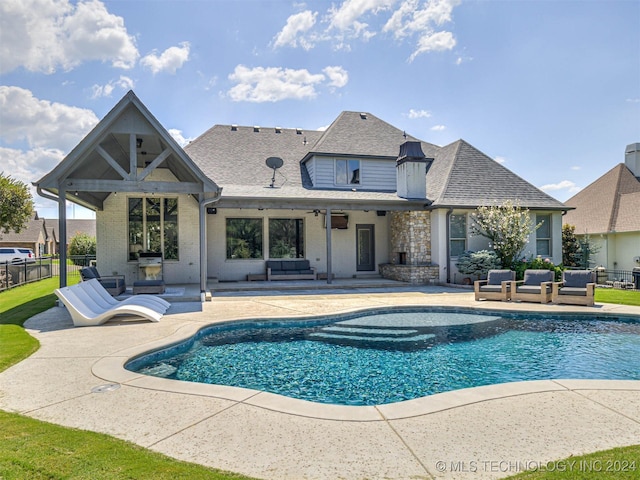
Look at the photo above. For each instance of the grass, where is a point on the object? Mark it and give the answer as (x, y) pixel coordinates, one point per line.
(34, 449)
(621, 297)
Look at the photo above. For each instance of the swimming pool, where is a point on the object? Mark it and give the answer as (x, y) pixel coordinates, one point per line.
(391, 355)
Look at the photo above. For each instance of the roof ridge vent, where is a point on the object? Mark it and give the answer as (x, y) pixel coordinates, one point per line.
(363, 115)
(278, 129)
(256, 128)
(234, 127)
(298, 131)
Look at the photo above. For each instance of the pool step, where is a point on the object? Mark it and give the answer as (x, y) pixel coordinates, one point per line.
(368, 334)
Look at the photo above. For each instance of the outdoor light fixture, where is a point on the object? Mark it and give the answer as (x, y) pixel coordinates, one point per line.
(138, 142)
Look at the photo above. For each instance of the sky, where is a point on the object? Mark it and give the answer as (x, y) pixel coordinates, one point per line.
(550, 89)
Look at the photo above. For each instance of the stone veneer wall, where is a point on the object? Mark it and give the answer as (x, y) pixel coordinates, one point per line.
(410, 235)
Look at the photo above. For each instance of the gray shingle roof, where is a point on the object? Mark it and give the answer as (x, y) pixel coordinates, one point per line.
(32, 233)
(609, 204)
(461, 175)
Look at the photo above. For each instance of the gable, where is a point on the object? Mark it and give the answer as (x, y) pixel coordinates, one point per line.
(119, 155)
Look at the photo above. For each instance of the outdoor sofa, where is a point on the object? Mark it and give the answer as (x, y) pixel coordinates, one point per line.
(535, 287)
(298, 269)
(497, 286)
(576, 288)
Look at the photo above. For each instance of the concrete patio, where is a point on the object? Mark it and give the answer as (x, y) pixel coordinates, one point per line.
(485, 432)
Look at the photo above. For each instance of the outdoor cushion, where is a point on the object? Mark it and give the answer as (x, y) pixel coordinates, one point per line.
(536, 277)
(274, 264)
(88, 273)
(302, 264)
(289, 266)
(492, 288)
(573, 291)
(577, 278)
(496, 277)
(531, 289)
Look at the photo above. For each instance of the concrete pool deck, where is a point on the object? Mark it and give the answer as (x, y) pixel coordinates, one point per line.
(485, 432)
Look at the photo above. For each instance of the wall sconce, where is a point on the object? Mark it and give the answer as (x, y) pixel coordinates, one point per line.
(138, 142)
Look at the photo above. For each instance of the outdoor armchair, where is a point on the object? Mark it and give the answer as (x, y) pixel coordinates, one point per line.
(535, 287)
(577, 288)
(497, 286)
(114, 284)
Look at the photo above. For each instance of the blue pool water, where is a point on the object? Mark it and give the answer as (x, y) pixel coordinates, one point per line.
(394, 355)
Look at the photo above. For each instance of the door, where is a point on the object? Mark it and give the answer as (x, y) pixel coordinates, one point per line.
(366, 261)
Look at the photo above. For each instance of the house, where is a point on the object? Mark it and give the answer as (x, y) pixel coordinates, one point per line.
(239, 195)
(34, 236)
(607, 211)
(75, 226)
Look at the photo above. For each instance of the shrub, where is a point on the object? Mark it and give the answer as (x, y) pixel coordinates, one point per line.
(537, 263)
(82, 244)
(478, 263)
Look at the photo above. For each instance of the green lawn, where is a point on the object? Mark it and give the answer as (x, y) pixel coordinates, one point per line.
(38, 450)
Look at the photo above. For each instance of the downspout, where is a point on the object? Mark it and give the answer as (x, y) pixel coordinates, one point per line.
(448, 248)
(202, 203)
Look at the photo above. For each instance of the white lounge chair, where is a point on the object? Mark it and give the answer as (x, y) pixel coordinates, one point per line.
(86, 312)
(97, 291)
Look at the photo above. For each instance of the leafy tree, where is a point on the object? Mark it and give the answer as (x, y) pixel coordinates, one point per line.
(507, 226)
(82, 244)
(477, 263)
(571, 254)
(587, 249)
(16, 204)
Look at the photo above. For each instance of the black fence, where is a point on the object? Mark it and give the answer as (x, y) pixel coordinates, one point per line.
(623, 279)
(13, 274)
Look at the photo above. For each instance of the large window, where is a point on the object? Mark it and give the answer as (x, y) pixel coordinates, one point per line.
(286, 238)
(153, 227)
(457, 234)
(244, 238)
(543, 235)
(347, 172)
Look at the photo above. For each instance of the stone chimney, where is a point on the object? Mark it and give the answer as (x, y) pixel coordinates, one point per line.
(632, 158)
(411, 171)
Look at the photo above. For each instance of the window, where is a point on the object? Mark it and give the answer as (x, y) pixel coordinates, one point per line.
(153, 227)
(244, 238)
(286, 238)
(543, 235)
(347, 172)
(457, 234)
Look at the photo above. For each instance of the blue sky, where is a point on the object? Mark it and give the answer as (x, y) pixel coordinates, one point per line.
(551, 89)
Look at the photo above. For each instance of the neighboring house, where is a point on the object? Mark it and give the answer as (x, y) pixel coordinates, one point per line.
(74, 227)
(34, 236)
(40, 234)
(237, 196)
(608, 212)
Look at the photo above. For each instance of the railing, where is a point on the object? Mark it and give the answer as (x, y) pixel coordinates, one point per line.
(623, 279)
(13, 274)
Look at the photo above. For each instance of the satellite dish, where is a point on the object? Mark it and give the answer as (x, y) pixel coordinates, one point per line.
(274, 163)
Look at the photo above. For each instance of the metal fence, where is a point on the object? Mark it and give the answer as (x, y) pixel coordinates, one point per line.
(13, 274)
(623, 279)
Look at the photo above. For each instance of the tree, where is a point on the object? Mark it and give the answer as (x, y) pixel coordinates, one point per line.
(507, 227)
(477, 263)
(16, 204)
(571, 255)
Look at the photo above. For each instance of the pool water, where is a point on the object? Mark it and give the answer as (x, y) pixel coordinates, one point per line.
(389, 356)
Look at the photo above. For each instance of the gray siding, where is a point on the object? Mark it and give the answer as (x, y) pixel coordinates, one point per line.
(375, 174)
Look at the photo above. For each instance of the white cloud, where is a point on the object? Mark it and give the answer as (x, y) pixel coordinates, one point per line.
(346, 17)
(438, 128)
(419, 113)
(500, 159)
(178, 137)
(273, 84)
(125, 83)
(576, 167)
(168, 61)
(296, 25)
(45, 35)
(338, 76)
(42, 123)
(433, 42)
(568, 185)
